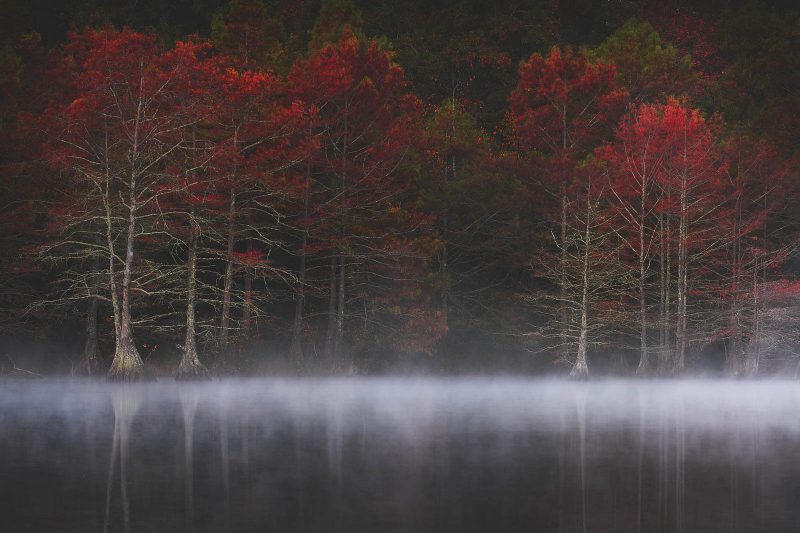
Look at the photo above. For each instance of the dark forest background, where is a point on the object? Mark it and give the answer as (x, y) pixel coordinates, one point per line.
(374, 186)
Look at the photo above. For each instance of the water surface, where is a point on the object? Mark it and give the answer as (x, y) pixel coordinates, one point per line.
(439, 455)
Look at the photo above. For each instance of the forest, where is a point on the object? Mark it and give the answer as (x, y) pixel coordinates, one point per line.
(215, 187)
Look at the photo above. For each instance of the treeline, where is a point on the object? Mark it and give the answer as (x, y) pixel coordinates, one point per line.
(289, 187)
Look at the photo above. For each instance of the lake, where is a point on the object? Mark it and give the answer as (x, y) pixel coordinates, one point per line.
(400, 455)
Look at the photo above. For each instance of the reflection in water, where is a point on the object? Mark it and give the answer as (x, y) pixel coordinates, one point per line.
(223, 414)
(126, 400)
(355, 455)
(189, 397)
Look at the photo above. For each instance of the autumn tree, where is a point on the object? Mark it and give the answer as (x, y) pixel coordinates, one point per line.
(255, 128)
(119, 135)
(562, 107)
(588, 264)
(364, 122)
(187, 206)
(690, 194)
(757, 245)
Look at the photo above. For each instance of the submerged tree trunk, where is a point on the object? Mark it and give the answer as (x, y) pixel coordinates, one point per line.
(190, 366)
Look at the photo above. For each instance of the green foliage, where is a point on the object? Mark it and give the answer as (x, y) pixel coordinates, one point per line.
(760, 88)
(249, 33)
(336, 18)
(647, 67)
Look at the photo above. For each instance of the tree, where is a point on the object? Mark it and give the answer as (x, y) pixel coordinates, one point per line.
(247, 33)
(133, 105)
(691, 185)
(636, 160)
(647, 67)
(757, 246)
(759, 84)
(257, 130)
(336, 19)
(187, 208)
(364, 122)
(561, 109)
(464, 184)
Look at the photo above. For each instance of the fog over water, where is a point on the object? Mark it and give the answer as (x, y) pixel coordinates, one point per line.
(400, 454)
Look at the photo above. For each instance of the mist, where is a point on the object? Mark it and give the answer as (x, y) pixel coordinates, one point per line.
(394, 454)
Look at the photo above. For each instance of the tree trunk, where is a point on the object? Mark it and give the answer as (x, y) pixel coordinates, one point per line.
(562, 276)
(444, 267)
(754, 352)
(733, 363)
(90, 364)
(296, 348)
(127, 365)
(580, 369)
(666, 356)
(338, 345)
(753, 357)
(247, 309)
(683, 260)
(563, 194)
(112, 275)
(643, 355)
(227, 285)
(662, 293)
(444, 264)
(190, 366)
(331, 333)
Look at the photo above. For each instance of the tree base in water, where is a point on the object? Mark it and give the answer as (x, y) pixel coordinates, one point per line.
(191, 371)
(91, 366)
(133, 373)
(579, 373)
(127, 365)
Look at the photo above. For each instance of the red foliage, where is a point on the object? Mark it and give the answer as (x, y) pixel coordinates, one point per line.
(563, 103)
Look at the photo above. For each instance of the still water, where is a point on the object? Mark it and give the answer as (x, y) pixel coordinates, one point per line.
(410, 455)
